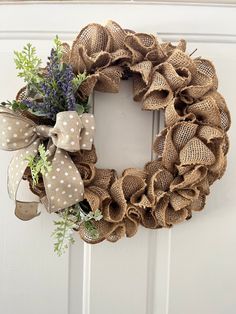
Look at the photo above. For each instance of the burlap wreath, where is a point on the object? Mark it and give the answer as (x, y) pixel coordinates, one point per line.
(190, 151)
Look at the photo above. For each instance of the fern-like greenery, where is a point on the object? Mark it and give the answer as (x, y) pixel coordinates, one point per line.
(63, 233)
(70, 219)
(28, 65)
(58, 47)
(39, 164)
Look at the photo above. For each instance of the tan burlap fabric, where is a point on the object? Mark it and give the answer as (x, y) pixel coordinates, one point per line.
(190, 151)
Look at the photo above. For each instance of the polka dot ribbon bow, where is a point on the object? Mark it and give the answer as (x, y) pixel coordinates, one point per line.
(63, 184)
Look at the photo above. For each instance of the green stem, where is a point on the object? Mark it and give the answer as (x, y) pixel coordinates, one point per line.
(64, 231)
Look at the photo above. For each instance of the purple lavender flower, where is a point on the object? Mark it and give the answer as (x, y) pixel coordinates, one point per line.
(66, 85)
(57, 89)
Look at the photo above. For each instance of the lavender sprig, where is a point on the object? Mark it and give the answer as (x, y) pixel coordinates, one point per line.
(66, 84)
(58, 88)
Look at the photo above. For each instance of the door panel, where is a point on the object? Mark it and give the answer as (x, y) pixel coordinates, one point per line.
(202, 276)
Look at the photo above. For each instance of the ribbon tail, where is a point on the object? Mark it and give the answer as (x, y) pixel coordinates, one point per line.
(63, 184)
(26, 210)
(17, 167)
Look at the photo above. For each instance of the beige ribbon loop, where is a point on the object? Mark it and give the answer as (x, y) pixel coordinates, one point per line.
(63, 184)
(72, 132)
(16, 131)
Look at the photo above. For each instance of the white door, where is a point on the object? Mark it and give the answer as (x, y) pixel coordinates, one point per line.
(189, 269)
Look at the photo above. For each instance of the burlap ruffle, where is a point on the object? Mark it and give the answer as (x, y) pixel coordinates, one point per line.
(189, 158)
(190, 151)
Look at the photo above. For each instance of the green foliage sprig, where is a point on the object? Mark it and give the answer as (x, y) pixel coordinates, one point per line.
(88, 224)
(58, 47)
(70, 219)
(63, 232)
(39, 164)
(78, 80)
(14, 105)
(82, 107)
(28, 65)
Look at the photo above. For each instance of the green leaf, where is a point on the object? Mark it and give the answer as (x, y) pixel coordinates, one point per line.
(79, 109)
(97, 215)
(78, 80)
(91, 229)
(15, 105)
(39, 164)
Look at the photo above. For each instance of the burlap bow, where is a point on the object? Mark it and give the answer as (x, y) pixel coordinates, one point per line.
(63, 184)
